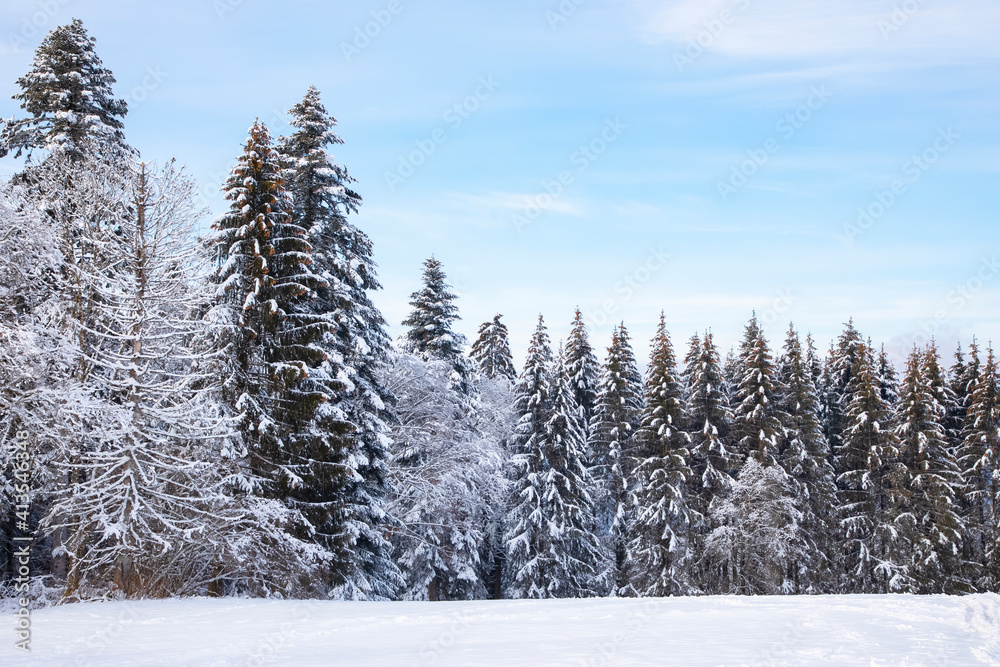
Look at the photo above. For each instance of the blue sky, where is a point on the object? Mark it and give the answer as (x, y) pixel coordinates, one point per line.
(713, 156)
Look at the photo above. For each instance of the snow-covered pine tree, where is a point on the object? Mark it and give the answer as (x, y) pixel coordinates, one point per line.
(757, 416)
(612, 451)
(804, 454)
(282, 383)
(430, 335)
(837, 376)
(68, 95)
(526, 535)
(492, 350)
(888, 383)
(659, 554)
(552, 551)
(943, 393)
(872, 484)
(936, 538)
(708, 419)
(583, 368)
(979, 460)
(322, 200)
(964, 377)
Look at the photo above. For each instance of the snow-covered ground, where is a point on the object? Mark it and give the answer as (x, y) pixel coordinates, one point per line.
(875, 631)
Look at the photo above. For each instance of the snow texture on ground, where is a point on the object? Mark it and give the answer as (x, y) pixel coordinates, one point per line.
(870, 630)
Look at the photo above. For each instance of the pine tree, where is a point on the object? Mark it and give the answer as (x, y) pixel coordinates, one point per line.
(430, 335)
(492, 350)
(872, 483)
(525, 534)
(583, 368)
(757, 416)
(659, 554)
(964, 377)
(888, 383)
(708, 418)
(933, 475)
(837, 377)
(342, 256)
(613, 450)
(804, 454)
(979, 460)
(69, 98)
(282, 384)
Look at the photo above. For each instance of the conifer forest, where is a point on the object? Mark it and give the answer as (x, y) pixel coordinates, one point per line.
(211, 405)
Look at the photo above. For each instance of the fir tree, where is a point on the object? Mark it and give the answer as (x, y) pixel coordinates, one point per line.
(583, 368)
(804, 454)
(613, 450)
(492, 350)
(933, 476)
(979, 460)
(659, 554)
(342, 256)
(757, 417)
(282, 382)
(874, 523)
(837, 377)
(68, 95)
(430, 335)
(888, 383)
(709, 420)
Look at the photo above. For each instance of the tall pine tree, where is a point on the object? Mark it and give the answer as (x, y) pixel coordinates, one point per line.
(660, 552)
(342, 256)
(492, 350)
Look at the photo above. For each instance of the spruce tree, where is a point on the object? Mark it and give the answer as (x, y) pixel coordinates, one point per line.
(660, 553)
(874, 524)
(612, 449)
(709, 421)
(492, 350)
(936, 540)
(757, 416)
(430, 335)
(322, 200)
(282, 382)
(526, 535)
(979, 460)
(888, 383)
(708, 418)
(583, 368)
(69, 98)
(837, 377)
(804, 454)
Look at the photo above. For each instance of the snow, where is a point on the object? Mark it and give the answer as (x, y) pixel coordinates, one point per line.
(869, 630)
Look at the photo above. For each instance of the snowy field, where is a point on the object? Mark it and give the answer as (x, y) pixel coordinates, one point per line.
(875, 631)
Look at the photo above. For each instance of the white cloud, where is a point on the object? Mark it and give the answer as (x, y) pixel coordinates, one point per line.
(926, 29)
